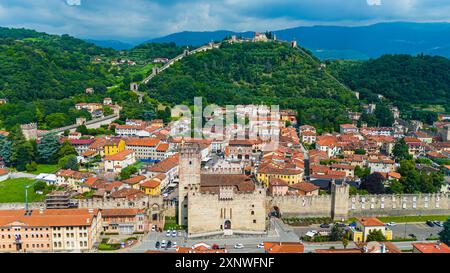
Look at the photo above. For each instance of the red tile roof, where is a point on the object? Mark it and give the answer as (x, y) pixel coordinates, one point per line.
(370, 222)
(431, 247)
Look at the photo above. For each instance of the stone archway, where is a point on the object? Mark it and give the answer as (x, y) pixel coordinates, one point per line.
(227, 225)
(275, 212)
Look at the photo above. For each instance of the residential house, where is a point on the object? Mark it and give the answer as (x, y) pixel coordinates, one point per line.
(117, 162)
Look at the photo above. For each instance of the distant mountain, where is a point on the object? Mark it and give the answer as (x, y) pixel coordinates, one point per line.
(186, 38)
(362, 42)
(117, 45)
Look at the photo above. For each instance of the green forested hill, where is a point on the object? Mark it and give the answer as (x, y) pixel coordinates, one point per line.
(250, 73)
(404, 79)
(38, 66)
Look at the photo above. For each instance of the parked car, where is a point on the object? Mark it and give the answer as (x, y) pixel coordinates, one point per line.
(341, 225)
(169, 244)
(154, 228)
(163, 244)
(438, 223)
(174, 233)
(158, 244)
(325, 226)
(168, 233)
(174, 245)
(180, 234)
(238, 246)
(391, 224)
(261, 245)
(430, 223)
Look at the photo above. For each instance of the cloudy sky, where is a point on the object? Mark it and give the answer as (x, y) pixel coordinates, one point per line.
(130, 20)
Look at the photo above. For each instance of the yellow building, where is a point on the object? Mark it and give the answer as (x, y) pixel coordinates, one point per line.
(114, 146)
(364, 226)
(290, 176)
(152, 187)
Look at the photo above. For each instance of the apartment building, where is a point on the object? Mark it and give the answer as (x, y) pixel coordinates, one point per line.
(68, 230)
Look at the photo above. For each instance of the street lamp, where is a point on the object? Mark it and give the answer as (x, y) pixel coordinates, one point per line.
(26, 194)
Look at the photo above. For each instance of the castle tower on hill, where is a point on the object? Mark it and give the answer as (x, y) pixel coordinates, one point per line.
(190, 177)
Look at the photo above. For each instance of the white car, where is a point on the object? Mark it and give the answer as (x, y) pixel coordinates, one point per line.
(261, 245)
(174, 233)
(163, 244)
(391, 224)
(238, 246)
(154, 228)
(174, 245)
(168, 233)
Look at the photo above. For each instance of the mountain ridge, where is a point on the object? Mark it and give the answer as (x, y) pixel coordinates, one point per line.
(344, 42)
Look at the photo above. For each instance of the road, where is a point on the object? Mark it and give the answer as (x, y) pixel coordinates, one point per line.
(277, 233)
(280, 232)
(22, 175)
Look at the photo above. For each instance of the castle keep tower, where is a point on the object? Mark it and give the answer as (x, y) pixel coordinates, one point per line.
(189, 172)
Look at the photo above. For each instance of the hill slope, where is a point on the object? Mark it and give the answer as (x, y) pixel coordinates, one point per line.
(251, 73)
(402, 78)
(39, 66)
(362, 42)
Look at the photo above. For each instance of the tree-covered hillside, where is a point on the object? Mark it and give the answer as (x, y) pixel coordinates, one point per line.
(38, 66)
(404, 79)
(250, 73)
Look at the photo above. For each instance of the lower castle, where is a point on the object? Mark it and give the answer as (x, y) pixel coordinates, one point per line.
(214, 204)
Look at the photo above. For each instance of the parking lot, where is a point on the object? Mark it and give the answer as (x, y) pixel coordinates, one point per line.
(421, 230)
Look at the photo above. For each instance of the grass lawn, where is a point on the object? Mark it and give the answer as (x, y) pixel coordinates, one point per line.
(46, 169)
(409, 219)
(171, 224)
(13, 191)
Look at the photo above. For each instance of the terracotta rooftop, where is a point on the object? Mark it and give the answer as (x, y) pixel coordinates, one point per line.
(119, 156)
(143, 142)
(281, 247)
(431, 247)
(370, 222)
(305, 187)
(49, 218)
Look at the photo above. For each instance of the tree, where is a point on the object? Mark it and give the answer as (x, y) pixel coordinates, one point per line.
(444, 235)
(22, 150)
(384, 115)
(396, 187)
(47, 149)
(5, 150)
(401, 151)
(345, 242)
(57, 120)
(82, 129)
(127, 172)
(69, 162)
(39, 186)
(362, 172)
(66, 149)
(374, 183)
(375, 236)
(337, 233)
(360, 151)
(31, 167)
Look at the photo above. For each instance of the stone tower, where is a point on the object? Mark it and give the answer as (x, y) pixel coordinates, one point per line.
(339, 201)
(29, 131)
(189, 173)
